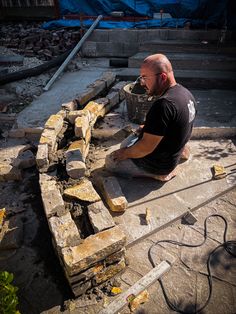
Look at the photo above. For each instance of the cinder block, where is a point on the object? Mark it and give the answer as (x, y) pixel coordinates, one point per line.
(113, 194)
(94, 248)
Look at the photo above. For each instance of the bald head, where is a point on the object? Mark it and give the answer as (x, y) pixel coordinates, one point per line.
(158, 63)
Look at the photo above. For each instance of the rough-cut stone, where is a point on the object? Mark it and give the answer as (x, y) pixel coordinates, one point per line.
(72, 115)
(113, 194)
(8, 173)
(94, 249)
(100, 217)
(88, 136)
(42, 157)
(119, 87)
(87, 274)
(62, 113)
(47, 182)
(113, 98)
(96, 109)
(98, 86)
(75, 166)
(115, 257)
(81, 145)
(69, 106)
(81, 288)
(25, 160)
(49, 137)
(11, 234)
(83, 191)
(109, 272)
(81, 126)
(52, 200)
(64, 231)
(55, 122)
(109, 78)
(86, 96)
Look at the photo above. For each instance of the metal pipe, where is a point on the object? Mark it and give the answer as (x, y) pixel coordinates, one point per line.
(73, 52)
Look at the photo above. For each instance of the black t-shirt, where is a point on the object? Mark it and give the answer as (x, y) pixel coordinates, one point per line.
(172, 117)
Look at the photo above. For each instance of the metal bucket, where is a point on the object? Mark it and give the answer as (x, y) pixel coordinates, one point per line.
(138, 104)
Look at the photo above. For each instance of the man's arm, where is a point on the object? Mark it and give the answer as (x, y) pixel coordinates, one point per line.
(143, 147)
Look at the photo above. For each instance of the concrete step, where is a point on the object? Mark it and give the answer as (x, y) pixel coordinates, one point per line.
(191, 79)
(186, 61)
(196, 46)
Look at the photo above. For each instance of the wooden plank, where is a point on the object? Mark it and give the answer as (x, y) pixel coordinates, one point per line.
(137, 288)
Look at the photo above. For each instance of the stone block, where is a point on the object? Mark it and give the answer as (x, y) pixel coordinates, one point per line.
(81, 146)
(42, 160)
(98, 86)
(115, 257)
(113, 194)
(64, 231)
(84, 191)
(99, 35)
(114, 99)
(81, 288)
(88, 136)
(95, 248)
(109, 49)
(49, 137)
(55, 122)
(109, 78)
(25, 160)
(109, 272)
(120, 88)
(96, 110)
(89, 49)
(130, 49)
(121, 36)
(69, 106)
(78, 113)
(52, 200)
(86, 96)
(86, 275)
(100, 217)
(62, 113)
(9, 173)
(11, 235)
(82, 124)
(47, 182)
(75, 166)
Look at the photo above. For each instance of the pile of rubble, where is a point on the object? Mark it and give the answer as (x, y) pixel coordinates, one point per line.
(31, 40)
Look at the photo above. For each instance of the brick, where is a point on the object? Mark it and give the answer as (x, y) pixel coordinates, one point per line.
(115, 257)
(49, 137)
(81, 126)
(109, 272)
(120, 88)
(94, 249)
(75, 165)
(42, 157)
(52, 201)
(55, 122)
(64, 231)
(78, 113)
(100, 217)
(69, 106)
(83, 191)
(113, 194)
(109, 78)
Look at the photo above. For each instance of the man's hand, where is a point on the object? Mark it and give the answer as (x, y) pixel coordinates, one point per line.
(119, 154)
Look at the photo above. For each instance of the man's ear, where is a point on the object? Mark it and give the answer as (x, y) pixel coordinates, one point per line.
(163, 76)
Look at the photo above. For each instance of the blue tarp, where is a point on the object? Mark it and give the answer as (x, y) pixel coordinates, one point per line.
(200, 13)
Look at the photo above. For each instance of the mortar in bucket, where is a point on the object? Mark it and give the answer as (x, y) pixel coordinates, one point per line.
(138, 102)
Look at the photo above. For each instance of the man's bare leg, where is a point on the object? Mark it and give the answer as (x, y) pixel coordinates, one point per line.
(185, 153)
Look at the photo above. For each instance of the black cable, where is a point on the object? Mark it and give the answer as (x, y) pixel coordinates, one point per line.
(229, 246)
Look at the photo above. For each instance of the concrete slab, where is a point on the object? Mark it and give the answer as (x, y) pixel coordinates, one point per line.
(65, 89)
(191, 188)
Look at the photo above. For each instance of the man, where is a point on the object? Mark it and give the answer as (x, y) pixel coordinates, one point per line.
(167, 128)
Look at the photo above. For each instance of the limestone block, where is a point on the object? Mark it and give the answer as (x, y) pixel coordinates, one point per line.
(42, 157)
(88, 136)
(96, 110)
(83, 191)
(109, 78)
(69, 106)
(55, 122)
(100, 217)
(119, 87)
(109, 272)
(94, 249)
(113, 194)
(46, 182)
(75, 166)
(9, 173)
(11, 234)
(72, 115)
(52, 201)
(98, 86)
(115, 257)
(81, 146)
(113, 98)
(86, 96)
(62, 113)
(64, 231)
(49, 137)
(86, 275)
(81, 126)
(25, 160)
